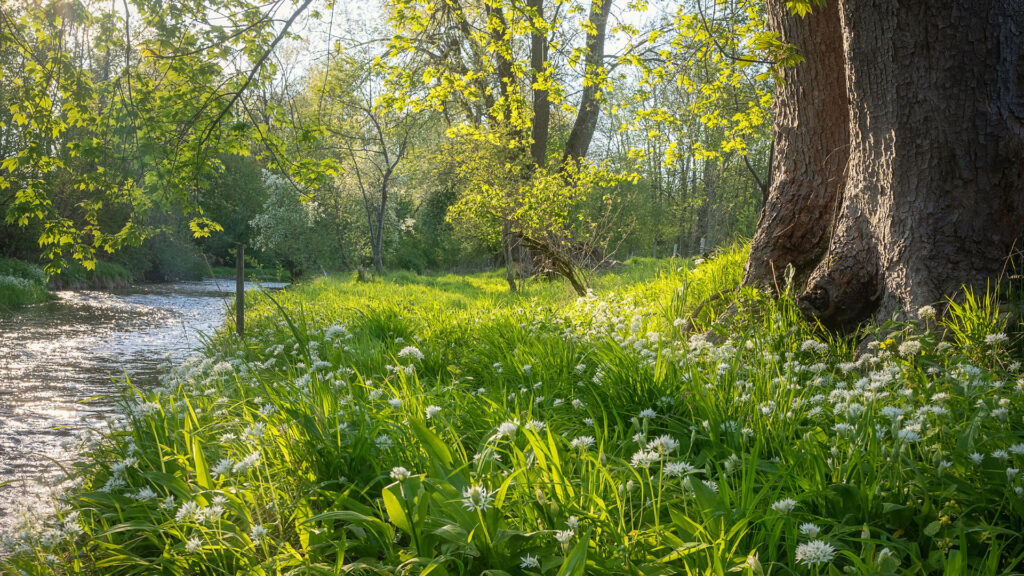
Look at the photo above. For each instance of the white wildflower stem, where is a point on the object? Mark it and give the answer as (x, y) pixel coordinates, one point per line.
(409, 514)
(483, 526)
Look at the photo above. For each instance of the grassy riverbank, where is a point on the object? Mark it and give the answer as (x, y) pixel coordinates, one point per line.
(103, 276)
(251, 274)
(441, 425)
(21, 284)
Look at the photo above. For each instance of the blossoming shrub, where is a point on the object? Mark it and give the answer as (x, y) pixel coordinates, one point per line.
(443, 426)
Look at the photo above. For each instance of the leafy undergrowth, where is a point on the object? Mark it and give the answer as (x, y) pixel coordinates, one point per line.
(443, 426)
(21, 284)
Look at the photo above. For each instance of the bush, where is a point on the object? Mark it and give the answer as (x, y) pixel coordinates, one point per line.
(175, 258)
(21, 284)
(104, 276)
(24, 270)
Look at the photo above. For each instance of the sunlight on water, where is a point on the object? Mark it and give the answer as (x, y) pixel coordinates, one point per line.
(60, 364)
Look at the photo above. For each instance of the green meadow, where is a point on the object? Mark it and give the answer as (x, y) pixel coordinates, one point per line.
(668, 423)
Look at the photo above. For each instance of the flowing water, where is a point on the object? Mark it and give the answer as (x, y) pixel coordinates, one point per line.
(60, 364)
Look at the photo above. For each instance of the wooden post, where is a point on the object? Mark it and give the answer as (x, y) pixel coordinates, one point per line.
(240, 291)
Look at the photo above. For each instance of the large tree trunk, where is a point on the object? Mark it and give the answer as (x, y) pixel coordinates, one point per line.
(934, 197)
(810, 148)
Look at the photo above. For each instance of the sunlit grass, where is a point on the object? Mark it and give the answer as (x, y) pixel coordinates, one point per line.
(21, 284)
(442, 425)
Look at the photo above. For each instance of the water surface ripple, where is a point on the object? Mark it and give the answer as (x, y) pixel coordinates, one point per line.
(61, 363)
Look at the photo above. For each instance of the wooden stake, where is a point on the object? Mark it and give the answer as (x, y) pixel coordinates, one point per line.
(240, 291)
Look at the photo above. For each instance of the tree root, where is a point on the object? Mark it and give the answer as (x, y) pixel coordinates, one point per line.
(687, 325)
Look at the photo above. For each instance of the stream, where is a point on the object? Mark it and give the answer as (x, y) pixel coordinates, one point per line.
(60, 364)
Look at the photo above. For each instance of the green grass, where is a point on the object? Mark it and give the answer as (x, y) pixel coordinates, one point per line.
(21, 284)
(261, 274)
(440, 425)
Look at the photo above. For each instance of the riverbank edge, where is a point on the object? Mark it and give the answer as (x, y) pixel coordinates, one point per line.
(22, 284)
(25, 284)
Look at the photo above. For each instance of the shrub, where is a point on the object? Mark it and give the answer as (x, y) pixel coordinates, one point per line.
(21, 284)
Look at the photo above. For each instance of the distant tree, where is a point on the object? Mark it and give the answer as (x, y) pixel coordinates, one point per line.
(490, 69)
(295, 230)
(126, 110)
(372, 140)
(234, 196)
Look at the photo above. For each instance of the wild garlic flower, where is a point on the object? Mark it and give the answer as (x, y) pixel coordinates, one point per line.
(663, 444)
(187, 511)
(815, 552)
(256, 533)
(529, 561)
(223, 467)
(144, 494)
(996, 339)
(243, 465)
(410, 352)
(810, 530)
(400, 473)
(677, 469)
(477, 498)
(507, 428)
(909, 435)
(910, 348)
(432, 411)
(644, 459)
(784, 506)
(193, 544)
(583, 443)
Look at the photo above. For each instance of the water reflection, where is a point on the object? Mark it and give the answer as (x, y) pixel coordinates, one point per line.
(60, 363)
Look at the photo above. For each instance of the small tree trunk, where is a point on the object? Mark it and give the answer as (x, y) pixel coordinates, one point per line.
(935, 193)
(810, 148)
(377, 245)
(541, 101)
(378, 260)
(507, 251)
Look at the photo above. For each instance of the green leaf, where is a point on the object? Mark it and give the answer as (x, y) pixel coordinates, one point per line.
(396, 512)
(435, 448)
(576, 562)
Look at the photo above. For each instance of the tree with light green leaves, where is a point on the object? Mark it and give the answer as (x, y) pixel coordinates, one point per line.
(124, 111)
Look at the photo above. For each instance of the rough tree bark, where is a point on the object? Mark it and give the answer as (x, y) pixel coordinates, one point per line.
(811, 148)
(934, 193)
